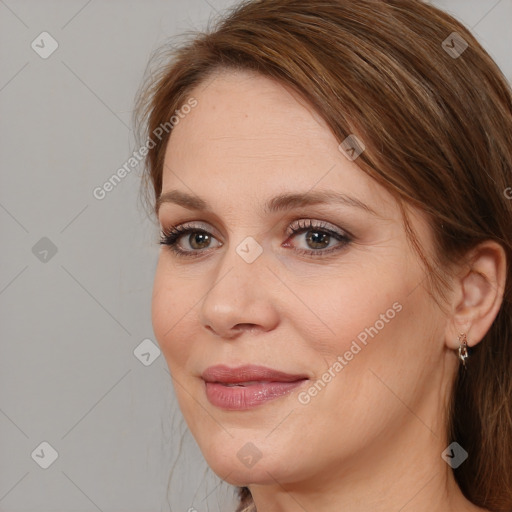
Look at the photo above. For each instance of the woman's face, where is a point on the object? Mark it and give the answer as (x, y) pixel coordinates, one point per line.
(341, 302)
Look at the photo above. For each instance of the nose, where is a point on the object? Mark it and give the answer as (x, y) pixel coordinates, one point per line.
(240, 297)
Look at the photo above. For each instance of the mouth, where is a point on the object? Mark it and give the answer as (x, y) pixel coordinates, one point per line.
(248, 374)
(247, 386)
(244, 384)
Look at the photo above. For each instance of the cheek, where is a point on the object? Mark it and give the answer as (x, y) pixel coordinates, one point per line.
(353, 305)
(362, 370)
(371, 326)
(377, 323)
(380, 351)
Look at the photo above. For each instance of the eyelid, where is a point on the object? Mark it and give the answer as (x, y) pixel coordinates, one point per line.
(195, 225)
(303, 224)
(289, 221)
(291, 229)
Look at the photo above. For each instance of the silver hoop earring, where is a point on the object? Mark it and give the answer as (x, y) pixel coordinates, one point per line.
(463, 348)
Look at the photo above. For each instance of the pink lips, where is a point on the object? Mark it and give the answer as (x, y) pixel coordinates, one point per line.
(247, 386)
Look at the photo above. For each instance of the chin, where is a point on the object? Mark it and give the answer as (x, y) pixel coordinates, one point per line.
(243, 466)
(234, 475)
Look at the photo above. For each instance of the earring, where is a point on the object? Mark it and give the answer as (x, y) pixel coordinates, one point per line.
(463, 348)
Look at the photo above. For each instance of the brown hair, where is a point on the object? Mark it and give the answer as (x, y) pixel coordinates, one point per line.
(437, 127)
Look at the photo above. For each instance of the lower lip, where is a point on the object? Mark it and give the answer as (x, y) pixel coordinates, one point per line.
(238, 398)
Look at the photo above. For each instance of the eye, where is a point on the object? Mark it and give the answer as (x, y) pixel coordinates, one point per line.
(197, 240)
(319, 237)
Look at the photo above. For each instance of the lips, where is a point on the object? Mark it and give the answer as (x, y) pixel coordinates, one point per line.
(247, 375)
(246, 387)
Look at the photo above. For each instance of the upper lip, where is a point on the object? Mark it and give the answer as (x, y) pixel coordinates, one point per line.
(247, 373)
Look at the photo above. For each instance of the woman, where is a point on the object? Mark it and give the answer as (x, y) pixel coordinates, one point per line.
(332, 180)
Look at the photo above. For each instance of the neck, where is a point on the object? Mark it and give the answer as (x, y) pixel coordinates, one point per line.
(399, 472)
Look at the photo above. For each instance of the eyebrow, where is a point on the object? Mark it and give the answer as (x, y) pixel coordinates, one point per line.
(281, 202)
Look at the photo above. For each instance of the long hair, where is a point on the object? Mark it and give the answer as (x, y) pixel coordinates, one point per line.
(435, 114)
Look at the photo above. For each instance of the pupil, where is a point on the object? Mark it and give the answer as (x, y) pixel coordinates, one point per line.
(200, 238)
(315, 237)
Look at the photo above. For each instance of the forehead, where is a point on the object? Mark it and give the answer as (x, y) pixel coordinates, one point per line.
(251, 115)
(255, 136)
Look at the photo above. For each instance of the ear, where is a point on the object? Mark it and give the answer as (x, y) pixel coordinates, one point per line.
(477, 293)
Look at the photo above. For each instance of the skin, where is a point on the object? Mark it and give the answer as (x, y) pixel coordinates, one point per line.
(372, 438)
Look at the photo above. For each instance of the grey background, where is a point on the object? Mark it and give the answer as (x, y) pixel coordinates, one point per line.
(70, 321)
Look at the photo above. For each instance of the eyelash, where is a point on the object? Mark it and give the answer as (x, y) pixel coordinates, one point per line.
(171, 236)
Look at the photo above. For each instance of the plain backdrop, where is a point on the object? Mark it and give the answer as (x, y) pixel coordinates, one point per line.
(79, 366)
